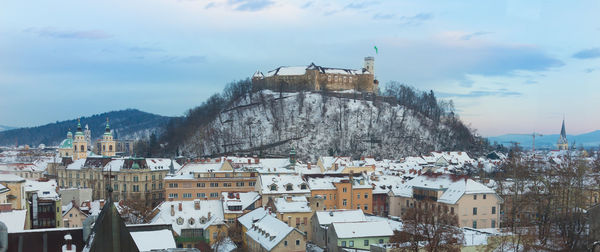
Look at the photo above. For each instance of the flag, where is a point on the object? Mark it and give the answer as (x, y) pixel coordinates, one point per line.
(376, 50)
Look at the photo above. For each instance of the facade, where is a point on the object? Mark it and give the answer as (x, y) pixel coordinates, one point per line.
(321, 221)
(272, 186)
(80, 144)
(208, 181)
(357, 235)
(342, 192)
(73, 216)
(107, 144)
(344, 165)
(131, 178)
(475, 205)
(294, 211)
(313, 77)
(236, 204)
(264, 232)
(563, 143)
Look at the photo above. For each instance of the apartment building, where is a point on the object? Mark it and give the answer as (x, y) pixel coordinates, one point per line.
(341, 191)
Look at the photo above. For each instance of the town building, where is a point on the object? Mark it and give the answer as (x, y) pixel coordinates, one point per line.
(44, 207)
(208, 181)
(382, 184)
(357, 235)
(475, 205)
(563, 143)
(314, 77)
(80, 144)
(321, 221)
(236, 204)
(344, 165)
(342, 192)
(294, 211)
(264, 232)
(107, 144)
(72, 216)
(194, 222)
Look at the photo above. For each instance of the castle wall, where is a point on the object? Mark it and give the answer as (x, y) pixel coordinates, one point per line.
(315, 80)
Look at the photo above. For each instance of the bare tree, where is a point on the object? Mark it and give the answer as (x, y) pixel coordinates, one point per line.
(437, 228)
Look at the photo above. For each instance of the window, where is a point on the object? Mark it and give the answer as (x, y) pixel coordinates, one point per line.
(303, 186)
(474, 210)
(493, 210)
(239, 184)
(124, 187)
(325, 196)
(214, 184)
(297, 221)
(252, 183)
(351, 243)
(159, 186)
(366, 243)
(344, 189)
(226, 184)
(474, 196)
(358, 206)
(366, 195)
(173, 185)
(214, 195)
(285, 243)
(200, 195)
(493, 223)
(135, 178)
(380, 241)
(305, 220)
(136, 188)
(358, 195)
(366, 207)
(273, 187)
(474, 224)
(297, 242)
(451, 210)
(288, 187)
(173, 196)
(407, 204)
(344, 202)
(116, 187)
(187, 195)
(343, 243)
(484, 196)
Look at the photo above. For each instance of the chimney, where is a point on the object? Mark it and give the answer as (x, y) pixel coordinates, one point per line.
(308, 165)
(180, 207)
(101, 204)
(69, 243)
(172, 210)
(419, 172)
(288, 198)
(249, 161)
(256, 160)
(196, 204)
(237, 195)
(208, 215)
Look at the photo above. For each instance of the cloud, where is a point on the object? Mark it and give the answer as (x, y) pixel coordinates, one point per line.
(306, 5)
(588, 53)
(360, 5)
(145, 49)
(194, 59)
(482, 93)
(54, 33)
(250, 5)
(210, 5)
(382, 16)
(474, 34)
(590, 70)
(416, 19)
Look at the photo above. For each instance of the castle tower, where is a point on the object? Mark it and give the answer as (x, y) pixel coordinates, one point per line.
(88, 136)
(79, 143)
(370, 64)
(107, 142)
(562, 143)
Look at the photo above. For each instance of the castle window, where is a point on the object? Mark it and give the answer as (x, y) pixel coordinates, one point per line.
(329, 77)
(82, 148)
(345, 79)
(110, 148)
(335, 78)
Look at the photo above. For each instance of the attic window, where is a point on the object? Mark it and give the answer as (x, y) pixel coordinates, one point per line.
(288, 187)
(303, 186)
(273, 187)
(179, 221)
(191, 221)
(202, 220)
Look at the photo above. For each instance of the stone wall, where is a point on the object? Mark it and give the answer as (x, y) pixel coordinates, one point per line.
(314, 80)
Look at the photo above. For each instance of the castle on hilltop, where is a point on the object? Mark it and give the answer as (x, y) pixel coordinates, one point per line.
(313, 77)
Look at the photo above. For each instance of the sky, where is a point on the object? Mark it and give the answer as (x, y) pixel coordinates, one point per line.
(509, 66)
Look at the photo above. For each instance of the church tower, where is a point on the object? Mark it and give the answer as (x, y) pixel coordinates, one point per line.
(107, 142)
(79, 143)
(562, 143)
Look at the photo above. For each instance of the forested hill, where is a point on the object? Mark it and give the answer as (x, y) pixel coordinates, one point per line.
(126, 124)
(402, 121)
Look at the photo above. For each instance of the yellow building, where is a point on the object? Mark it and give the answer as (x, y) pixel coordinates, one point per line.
(264, 232)
(294, 211)
(344, 165)
(16, 185)
(79, 143)
(107, 142)
(342, 192)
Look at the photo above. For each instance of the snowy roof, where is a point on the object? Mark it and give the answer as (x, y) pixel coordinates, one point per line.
(453, 187)
(362, 229)
(290, 204)
(227, 245)
(258, 74)
(189, 216)
(157, 239)
(157, 164)
(14, 220)
(394, 224)
(7, 177)
(382, 184)
(247, 219)
(287, 70)
(268, 231)
(328, 217)
(199, 167)
(44, 189)
(281, 182)
(76, 165)
(243, 199)
(327, 183)
(301, 70)
(114, 165)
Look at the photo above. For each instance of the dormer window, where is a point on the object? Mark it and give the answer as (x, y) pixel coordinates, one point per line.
(191, 221)
(303, 186)
(179, 221)
(273, 187)
(288, 187)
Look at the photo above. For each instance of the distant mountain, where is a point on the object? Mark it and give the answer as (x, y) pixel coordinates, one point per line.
(126, 124)
(5, 128)
(591, 139)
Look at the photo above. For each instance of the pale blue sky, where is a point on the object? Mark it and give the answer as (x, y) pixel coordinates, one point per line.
(509, 66)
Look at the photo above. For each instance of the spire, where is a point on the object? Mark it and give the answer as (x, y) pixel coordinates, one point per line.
(79, 124)
(107, 126)
(171, 168)
(563, 132)
(563, 143)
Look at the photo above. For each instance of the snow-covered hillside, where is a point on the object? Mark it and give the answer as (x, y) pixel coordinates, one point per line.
(318, 124)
